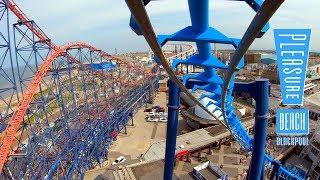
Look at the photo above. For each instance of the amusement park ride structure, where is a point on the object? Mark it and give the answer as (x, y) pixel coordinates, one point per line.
(60, 113)
(60, 108)
(218, 86)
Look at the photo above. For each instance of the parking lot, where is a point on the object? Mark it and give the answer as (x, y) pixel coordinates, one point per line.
(138, 137)
(156, 114)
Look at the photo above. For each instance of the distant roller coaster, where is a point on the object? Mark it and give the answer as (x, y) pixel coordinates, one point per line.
(59, 112)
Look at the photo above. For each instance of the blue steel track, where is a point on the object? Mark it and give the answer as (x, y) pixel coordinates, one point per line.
(218, 86)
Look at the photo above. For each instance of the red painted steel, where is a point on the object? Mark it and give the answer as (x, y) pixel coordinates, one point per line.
(18, 116)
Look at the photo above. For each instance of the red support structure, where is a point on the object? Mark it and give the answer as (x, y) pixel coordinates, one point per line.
(17, 119)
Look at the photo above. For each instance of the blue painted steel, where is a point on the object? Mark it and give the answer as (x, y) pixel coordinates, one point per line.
(260, 92)
(202, 34)
(172, 126)
(199, 14)
(275, 171)
(8, 87)
(107, 66)
(133, 24)
(77, 136)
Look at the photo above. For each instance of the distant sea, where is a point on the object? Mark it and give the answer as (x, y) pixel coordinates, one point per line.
(7, 80)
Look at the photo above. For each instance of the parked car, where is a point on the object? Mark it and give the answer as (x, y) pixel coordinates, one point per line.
(163, 119)
(120, 159)
(152, 119)
(151, 114)
(163, 114)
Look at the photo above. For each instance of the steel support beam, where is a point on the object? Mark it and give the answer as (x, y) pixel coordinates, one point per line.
(199, 14)
(259, 90)
(172, 126)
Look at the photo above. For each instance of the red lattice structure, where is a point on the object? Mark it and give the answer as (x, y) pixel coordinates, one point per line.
(57, 51)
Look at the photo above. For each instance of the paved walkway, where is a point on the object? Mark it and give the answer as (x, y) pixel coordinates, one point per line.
(229, 158)
(137, 140)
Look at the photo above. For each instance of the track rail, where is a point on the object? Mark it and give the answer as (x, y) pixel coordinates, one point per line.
(18, 116)
(139, 12)
(222, 98)
(262, 17)
(23, 19)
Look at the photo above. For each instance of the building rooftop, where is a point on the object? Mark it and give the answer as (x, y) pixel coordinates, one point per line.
(315, 141)
(209, 171)
(298, 165)
(193, 140)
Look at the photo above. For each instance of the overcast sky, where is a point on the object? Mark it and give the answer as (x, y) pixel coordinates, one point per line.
(104, 23)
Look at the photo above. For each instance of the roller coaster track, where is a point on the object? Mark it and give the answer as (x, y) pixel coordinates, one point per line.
(23, 19)
(220, 89)
(58, 51)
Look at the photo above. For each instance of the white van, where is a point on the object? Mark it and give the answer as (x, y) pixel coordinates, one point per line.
(120, 159)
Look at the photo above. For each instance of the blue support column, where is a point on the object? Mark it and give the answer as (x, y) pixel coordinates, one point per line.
(275, 170)
(262, 176)
(261, 96)
(199, 14)
(259, 90)
(172, 126)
